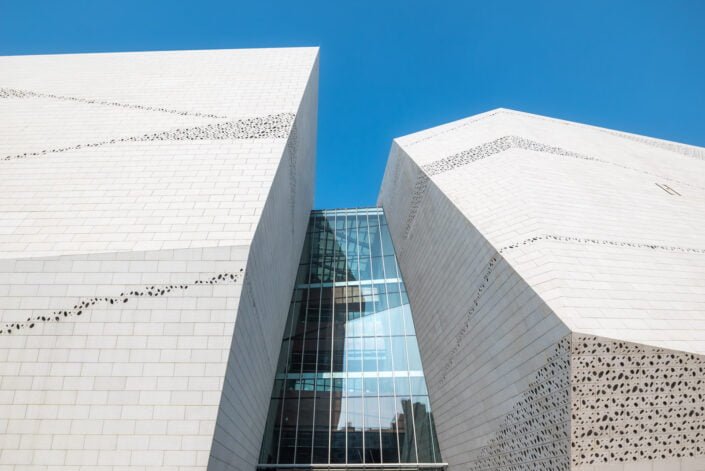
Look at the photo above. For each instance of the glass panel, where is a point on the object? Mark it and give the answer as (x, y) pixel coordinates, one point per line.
(373, 450)
(349, 385)
(338, 416)
(371, 386)
(390, 267)
(387, 247)
(287, 444)
(377, 268)
(304, 434)
(422, 426)
(270, 445)
(399, 353)
(418, 386)
(375, 237)
(321, 425)
(388, 428)
(355, 427)
(405, 426)
(396, 321)
(402, 385)
(386, 388)
(412, 350)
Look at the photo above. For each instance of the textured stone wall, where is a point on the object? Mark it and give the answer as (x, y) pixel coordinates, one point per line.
(151, 218)
(115, 359)
(514, 231)
(535, 435)
(263, 309)
(487, 341)
(634, 404)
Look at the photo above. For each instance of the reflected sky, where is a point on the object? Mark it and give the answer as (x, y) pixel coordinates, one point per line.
(349, 386)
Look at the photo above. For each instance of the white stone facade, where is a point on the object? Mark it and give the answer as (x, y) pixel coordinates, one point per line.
(557, 277)
(152, 213)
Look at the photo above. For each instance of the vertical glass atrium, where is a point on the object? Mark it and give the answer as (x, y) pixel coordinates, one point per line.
(349, 390)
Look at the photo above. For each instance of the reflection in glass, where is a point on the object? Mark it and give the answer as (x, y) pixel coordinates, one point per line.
(349, 387)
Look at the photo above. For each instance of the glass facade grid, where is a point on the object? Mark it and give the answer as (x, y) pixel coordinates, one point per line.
(349, 389)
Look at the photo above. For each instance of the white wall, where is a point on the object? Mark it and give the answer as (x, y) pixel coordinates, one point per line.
(269, 283)
(512, 231)
(483, 332)
(197, 187)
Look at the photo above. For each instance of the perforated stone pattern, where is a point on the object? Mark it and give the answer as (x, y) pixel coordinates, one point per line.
(683, 149)
(137, 236)
(502, 144)
(290, 151)
(632, 402)
(535, 434)
(417, 196)
(495, 147)
(490, 149)
(275, 126)
(84, 306)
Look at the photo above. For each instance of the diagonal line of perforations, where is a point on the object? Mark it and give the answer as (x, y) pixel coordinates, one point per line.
(492, 263)
(274, 126)
(490, 149)
(495, 147)
(84, 305)
(535, 434)
(15, 93)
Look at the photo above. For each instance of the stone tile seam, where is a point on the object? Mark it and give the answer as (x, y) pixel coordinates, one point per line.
(555, 463)
(250, 295)
(527, 403)
(19, 93)
(517, 398)
(454, 382)
(555, 448)
(538, 444)
(563, 406)
(124, 297)
(272, 126)
(291, 148)
(560, 460)
(556, 460)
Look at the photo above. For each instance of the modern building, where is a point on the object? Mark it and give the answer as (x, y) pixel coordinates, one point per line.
(349, 389)
(556, 273)
(153, 210)
(529, 293)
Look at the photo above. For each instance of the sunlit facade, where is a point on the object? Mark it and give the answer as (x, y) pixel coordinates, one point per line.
(170, 302)
(349, 387)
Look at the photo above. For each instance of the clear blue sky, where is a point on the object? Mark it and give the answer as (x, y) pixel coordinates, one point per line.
(389, 68)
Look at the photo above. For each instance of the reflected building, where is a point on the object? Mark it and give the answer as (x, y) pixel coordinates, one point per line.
(349, 388)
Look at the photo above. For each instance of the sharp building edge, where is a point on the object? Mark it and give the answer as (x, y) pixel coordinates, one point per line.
(144, 266)
(528, 295)
(555, 272)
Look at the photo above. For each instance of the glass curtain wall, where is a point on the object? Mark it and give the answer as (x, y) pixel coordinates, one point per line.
(349, 388)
